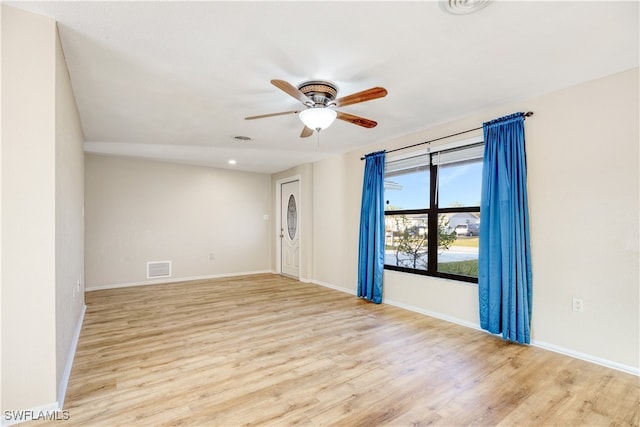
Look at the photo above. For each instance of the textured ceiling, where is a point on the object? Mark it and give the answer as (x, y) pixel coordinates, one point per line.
(174, 80)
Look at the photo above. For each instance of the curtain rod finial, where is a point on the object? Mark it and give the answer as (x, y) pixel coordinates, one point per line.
(528, 114)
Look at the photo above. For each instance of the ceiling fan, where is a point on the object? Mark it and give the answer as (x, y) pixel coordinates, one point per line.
(319, 98)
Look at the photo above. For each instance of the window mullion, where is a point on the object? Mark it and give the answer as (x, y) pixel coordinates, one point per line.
(432, 243)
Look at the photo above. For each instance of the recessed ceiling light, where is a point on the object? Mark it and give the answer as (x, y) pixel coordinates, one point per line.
(232, 162)
(463, 7)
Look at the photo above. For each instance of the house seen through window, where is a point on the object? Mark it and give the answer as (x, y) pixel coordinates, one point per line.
(432, 212)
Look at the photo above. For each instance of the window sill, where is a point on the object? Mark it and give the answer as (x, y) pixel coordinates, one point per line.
(447, 276)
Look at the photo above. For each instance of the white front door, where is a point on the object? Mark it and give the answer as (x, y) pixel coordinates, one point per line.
(290, 228)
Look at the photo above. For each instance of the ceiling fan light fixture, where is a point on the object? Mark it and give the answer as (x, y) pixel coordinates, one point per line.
(318, 118)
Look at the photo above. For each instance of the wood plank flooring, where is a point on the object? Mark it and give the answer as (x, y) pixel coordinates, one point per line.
(269, 350)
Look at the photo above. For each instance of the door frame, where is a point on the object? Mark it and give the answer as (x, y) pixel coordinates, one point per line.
(278, 222)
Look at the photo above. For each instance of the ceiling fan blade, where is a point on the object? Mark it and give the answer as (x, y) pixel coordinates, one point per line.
(272, 115)
(306, 132)
(365, 95)
(291, 90)
(356, 120)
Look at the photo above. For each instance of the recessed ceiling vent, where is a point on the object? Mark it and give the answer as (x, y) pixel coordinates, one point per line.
(463, 7)
(242, 138)
(157, 269)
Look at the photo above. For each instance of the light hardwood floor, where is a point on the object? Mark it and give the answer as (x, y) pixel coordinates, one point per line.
(268, 350)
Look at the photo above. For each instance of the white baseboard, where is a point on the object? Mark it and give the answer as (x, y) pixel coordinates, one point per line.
(173, 280)
(52, 410)
(587, 357)
(62, 388)
(551, 347)
(430, 313)
(329, 285)
(402, 305)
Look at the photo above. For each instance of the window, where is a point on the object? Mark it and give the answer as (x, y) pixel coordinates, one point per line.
(432, 212)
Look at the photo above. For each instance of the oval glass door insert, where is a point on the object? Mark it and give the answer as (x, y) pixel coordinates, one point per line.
(292, 217)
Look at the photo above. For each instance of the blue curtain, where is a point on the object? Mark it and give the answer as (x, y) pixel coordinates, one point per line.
(371, 250)
(504, 264)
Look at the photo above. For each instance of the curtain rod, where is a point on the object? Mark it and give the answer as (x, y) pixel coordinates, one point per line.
(527, 114)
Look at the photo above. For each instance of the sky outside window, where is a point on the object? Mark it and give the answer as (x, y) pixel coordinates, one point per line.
(407, 191)
(459, 185)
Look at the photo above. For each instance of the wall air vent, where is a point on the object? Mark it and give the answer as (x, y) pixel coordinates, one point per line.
(158, 269)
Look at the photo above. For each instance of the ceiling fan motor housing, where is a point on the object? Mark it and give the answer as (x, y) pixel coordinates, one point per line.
(320, 93)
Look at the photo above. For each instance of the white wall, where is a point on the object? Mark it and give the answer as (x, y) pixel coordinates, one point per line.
(1, 210)
(304, 173)
(28, 210)
(582, 149)
(41, 213)
(138, 211)
(583, 166)
(335, 200)
(69, 193)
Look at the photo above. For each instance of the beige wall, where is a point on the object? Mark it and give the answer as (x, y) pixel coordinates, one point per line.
(28, 210)
(583, 167)
(69, 193)
(138, 211)
(582, 149)
(41, 213)
(1, 210)
(304, 173)
(336, 199)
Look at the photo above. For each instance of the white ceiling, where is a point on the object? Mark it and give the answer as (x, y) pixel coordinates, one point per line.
(174, 80)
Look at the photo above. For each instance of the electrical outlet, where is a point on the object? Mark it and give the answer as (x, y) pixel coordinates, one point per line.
(578, 305)
(76, 291)
(211, 256)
